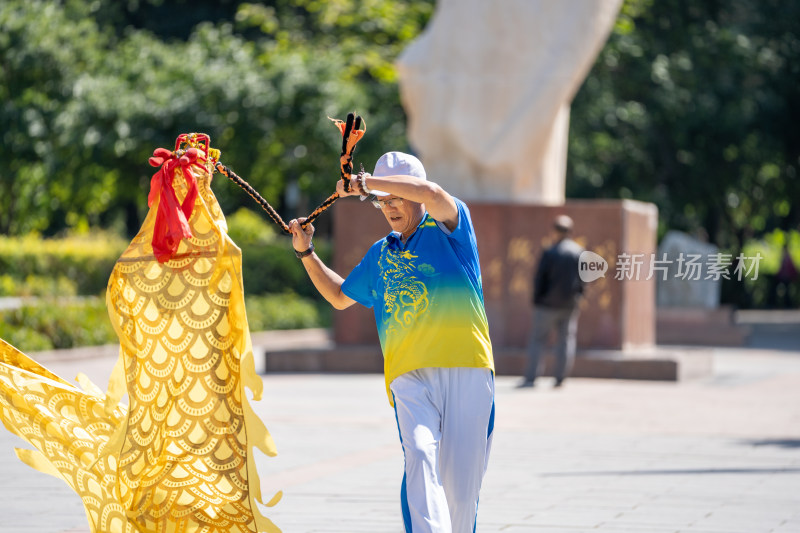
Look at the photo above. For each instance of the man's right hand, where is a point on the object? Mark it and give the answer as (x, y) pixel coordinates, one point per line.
(301, 238)
(327, 282)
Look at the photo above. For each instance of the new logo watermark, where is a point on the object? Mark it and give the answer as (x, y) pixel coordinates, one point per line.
(690, 267)
(591, 266)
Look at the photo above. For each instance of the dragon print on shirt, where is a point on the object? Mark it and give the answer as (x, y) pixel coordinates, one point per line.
(405, 296)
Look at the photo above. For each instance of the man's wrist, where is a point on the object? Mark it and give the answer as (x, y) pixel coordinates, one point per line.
(361, 180)
(305, 253)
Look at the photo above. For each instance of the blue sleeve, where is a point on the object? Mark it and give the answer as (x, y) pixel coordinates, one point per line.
(359, 284)
(465, 245)
(464, 232)
(462, 238)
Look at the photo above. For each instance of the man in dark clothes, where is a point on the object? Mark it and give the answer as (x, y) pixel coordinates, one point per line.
(556, 295)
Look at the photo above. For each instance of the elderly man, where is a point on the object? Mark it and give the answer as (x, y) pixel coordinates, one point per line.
(423, 281)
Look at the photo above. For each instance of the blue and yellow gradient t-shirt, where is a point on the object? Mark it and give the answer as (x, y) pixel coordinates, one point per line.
(427, 297)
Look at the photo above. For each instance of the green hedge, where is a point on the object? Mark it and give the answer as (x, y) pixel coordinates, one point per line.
(279, 294)
(285, 311)
(31, 265)
(269, 265)
(67, 323)
(273, 268)
(58, 323)
(37, 286)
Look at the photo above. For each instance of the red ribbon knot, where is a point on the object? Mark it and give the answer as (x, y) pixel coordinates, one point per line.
(172, 218)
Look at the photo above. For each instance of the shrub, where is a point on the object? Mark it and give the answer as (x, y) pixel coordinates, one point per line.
(269, 265)
(69, 323)
(62, 323)
(57, 269)
(85, 260)
(247, 228)
(32, 266)
(282, 311)
(25, 339)
(273, 268)
(37, 286)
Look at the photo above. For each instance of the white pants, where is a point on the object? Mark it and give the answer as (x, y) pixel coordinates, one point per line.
(445, 417)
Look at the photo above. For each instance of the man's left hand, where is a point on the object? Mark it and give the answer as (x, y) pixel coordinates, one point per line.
(301, 238)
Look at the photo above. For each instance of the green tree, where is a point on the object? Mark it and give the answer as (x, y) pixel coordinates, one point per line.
(348, 48)
(694, 106)
(91, 88)
(40, 56)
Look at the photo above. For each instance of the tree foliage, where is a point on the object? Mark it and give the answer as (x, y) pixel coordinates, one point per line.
(91, 88)
(690, 105)
(694, 106)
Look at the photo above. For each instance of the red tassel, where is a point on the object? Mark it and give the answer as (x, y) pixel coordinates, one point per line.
(172, 217)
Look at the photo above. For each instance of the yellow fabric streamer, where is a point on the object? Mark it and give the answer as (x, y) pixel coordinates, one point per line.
(180, 458)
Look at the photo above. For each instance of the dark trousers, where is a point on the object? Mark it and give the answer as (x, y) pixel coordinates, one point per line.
(565, 322)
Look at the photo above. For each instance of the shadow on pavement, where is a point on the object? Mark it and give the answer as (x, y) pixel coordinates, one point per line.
(680, 472)
(779, 443)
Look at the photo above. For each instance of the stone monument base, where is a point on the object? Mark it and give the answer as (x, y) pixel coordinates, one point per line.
(657, 364)
(697, 326)
(617, 311)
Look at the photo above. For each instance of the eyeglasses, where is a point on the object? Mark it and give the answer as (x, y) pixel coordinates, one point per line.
(394, 202)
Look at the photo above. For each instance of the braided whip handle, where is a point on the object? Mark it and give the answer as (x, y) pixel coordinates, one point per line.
(345, 159)
(351, 134)
(225, 171)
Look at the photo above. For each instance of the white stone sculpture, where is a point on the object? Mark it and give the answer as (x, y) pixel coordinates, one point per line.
(688, 279)
(487, 89)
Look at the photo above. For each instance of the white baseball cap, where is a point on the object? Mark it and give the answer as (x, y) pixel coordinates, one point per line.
(397, 164)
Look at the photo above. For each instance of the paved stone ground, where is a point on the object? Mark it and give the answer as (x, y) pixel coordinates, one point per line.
(717, 455)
